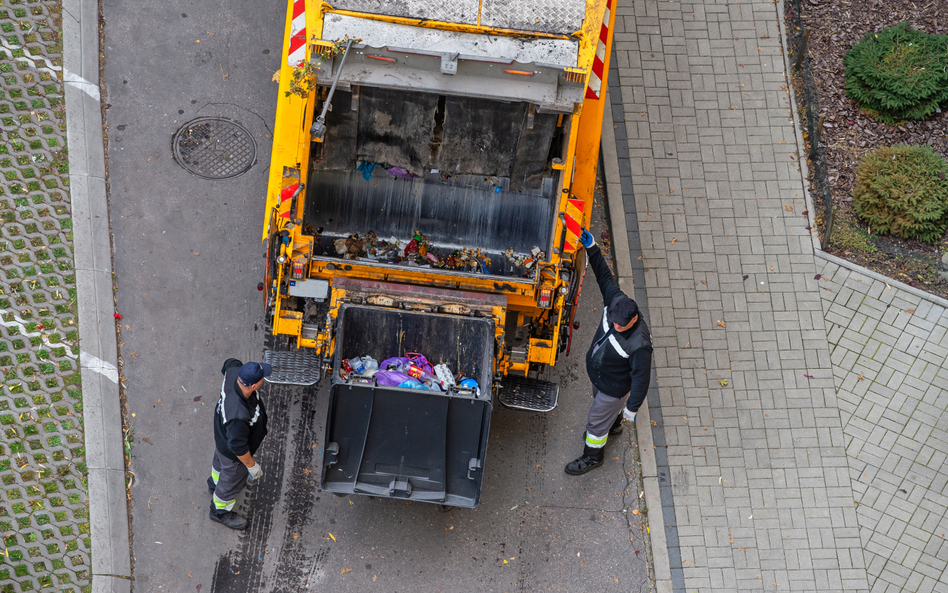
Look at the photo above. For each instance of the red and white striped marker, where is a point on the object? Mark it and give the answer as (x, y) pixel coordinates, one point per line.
(297, 53)
(599, 63)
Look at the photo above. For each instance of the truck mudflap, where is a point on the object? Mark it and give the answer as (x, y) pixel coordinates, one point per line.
(419, 445)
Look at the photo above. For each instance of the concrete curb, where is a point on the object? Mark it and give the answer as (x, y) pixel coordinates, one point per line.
(102, 414)
(643, 424)
(811, 205)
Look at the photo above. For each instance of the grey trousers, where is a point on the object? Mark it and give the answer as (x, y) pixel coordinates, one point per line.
(229, 477)
(602, 414)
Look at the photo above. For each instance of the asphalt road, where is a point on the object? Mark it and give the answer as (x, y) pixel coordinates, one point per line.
(187, 261)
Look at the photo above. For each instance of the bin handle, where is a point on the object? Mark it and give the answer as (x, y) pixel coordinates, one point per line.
(472, 466)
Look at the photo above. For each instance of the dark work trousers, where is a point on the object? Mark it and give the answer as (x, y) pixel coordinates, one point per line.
(602, 414)
(229, 478)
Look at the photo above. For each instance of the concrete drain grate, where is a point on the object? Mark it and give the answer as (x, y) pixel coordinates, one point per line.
(214, 148)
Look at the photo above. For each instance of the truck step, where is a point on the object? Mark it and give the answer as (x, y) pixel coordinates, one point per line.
(528, 394)
(295, 367)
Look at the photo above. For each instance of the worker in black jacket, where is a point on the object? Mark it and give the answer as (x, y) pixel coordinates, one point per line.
(240, 423)
(618, 363)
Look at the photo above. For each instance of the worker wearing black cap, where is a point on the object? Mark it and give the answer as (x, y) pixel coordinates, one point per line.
(240, 423)
(618, 363)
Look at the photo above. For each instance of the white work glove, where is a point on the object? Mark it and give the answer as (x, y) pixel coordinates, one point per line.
(628, 414)
(255, 471)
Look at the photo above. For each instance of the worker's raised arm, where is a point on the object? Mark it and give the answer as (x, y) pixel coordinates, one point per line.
(607, 282)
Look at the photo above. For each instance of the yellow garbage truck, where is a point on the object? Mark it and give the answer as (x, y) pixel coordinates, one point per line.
(432, 166)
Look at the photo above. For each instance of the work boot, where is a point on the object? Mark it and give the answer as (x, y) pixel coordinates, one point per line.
(591, 459)
(615, 431)
(229, 519)
(211, 486)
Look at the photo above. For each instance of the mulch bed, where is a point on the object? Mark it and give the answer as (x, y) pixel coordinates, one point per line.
(835, 26)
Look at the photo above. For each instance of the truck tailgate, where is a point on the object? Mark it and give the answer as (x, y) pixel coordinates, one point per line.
(427, 446)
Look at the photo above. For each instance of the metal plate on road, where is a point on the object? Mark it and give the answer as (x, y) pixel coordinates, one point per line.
(214, 148)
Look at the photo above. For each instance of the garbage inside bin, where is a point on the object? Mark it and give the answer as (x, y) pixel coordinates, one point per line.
(402, 439)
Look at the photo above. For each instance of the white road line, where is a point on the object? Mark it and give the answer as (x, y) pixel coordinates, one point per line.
(19, 324)
(81, 83)
(94, 363)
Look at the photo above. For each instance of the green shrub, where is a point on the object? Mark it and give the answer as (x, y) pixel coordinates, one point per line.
(898, 73)
(903, 190)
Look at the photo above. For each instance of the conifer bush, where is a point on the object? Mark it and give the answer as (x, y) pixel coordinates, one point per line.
(898, 73)
(903, 190)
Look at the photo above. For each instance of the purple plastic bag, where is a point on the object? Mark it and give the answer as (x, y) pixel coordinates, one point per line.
(391, 378)
(400, 362)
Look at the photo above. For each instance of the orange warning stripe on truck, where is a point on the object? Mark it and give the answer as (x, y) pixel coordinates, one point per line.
(574, 224)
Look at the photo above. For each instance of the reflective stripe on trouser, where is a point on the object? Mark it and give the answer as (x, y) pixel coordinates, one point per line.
(229, 477)
(596, 442)
(602, 414)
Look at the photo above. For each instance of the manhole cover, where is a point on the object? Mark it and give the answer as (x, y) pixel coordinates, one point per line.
(214, 148)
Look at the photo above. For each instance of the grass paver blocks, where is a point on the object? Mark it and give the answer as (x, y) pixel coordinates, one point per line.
(43, 503)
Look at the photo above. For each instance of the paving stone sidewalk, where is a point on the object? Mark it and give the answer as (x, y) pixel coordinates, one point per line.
(889, 351)
(759, 490)
(43, 502)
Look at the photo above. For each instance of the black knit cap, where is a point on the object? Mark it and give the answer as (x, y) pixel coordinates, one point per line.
(622, 310)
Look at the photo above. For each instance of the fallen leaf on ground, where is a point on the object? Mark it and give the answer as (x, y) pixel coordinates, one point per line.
(296, 536)
(198, 398)
(635, 512)
(333, 537)
(345, 570)
(722, 324)
(910, 311)
(276, 76)
(723, 382)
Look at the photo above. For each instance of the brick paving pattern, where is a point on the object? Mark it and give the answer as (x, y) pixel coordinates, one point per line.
(763, 497)
(889, 351)
(43, 504)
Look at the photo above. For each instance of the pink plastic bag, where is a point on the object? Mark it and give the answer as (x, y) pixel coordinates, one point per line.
(420, 361)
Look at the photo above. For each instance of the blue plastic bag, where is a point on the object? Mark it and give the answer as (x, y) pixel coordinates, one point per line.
(366, 169)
